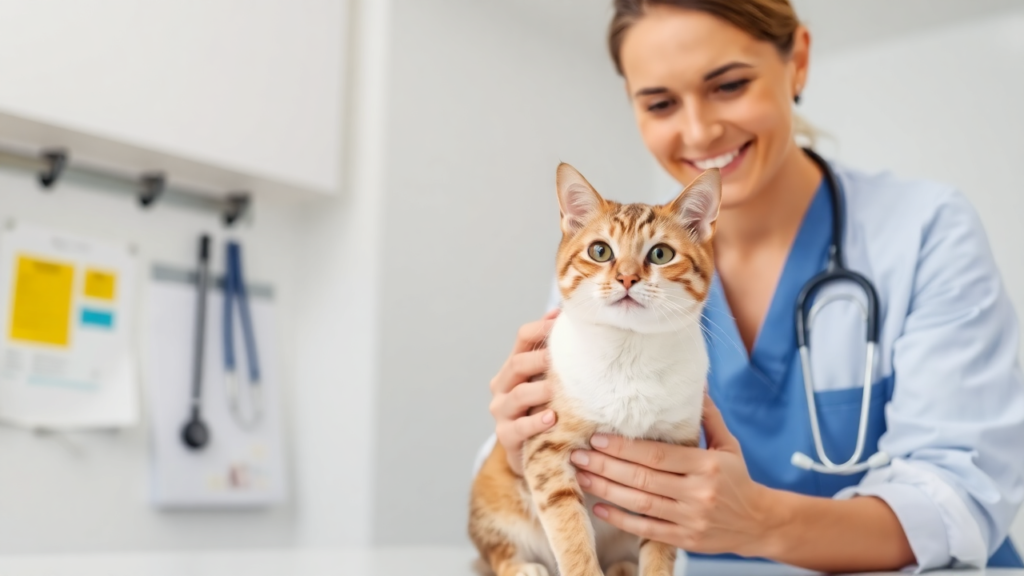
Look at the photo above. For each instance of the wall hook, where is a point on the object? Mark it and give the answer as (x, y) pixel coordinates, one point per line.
(56, 160)
(235, 206)
(153, 185)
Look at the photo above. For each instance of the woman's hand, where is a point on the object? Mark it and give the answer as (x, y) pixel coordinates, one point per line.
(515, 394)
(699, 500)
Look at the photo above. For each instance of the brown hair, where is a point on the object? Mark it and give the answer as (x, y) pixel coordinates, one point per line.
(769, 20)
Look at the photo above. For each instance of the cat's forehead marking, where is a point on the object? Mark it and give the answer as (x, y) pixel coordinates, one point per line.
(632, 218)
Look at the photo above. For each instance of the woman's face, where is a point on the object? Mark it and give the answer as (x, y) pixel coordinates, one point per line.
(707, 94)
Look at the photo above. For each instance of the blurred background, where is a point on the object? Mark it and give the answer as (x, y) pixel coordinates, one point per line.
(400, 156)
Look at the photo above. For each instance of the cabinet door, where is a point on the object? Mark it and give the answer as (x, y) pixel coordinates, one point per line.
(252, 86)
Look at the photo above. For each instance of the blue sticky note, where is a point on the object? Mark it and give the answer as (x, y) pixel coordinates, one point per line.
(97, 318)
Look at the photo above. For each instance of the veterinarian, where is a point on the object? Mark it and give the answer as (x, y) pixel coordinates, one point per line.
(714, 83)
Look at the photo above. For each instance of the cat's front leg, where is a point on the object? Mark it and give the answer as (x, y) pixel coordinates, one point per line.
(559, 503)
(656, 558)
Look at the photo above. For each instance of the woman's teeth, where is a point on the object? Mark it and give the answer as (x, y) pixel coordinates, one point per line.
(718, 161)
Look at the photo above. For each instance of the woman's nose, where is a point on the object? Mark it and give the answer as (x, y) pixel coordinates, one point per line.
(699, 127)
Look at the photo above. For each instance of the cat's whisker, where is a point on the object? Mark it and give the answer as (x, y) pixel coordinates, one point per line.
(692, 318)
(734, 344)
(675, 308)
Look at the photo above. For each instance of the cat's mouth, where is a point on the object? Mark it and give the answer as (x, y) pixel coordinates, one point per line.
(627, 301)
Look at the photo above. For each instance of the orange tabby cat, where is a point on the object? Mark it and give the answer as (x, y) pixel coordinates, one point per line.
(627, 358)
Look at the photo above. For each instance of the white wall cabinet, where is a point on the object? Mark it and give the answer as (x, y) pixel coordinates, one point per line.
(251, 88)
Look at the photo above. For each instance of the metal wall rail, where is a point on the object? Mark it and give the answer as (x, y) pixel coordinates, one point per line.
(149, 188)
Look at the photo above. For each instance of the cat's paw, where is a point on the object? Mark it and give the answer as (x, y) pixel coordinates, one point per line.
(623, 569)
(530, 570)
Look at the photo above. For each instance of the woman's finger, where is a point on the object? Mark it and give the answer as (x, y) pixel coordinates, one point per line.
(653, 454)
(518, 369)
(644, 527)
(626, 473)
(532, 335)
(525, 396)
(629, 498)
(526, 427)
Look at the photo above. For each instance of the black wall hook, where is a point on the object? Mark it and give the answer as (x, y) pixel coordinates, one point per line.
(56, 160)
(235, 206)
(153, 185)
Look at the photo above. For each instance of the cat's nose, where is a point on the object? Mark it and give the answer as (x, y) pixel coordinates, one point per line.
(627, 280)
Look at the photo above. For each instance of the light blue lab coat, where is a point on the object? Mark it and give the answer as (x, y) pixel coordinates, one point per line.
(948, 399)
(948, 395)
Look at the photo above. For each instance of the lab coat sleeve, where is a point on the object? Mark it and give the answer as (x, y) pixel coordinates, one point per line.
(555, 298)
(484, 452)
(955, 424)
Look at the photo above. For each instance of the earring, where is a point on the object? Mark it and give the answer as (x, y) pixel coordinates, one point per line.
(796, 99)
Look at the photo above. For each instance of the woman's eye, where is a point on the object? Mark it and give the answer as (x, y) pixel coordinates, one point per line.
(736, 86)
(659, 106)
(600, 252)
(661, 254)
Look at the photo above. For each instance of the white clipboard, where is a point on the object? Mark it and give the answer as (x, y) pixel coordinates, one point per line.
(239, 467)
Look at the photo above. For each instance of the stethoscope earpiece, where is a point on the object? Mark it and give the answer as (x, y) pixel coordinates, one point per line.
(805, 462)
(879, 459)
(801, 460)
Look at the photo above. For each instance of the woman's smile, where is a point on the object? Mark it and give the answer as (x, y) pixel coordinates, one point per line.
(727, 162)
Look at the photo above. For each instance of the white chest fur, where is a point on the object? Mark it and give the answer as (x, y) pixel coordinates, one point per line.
(632, 384)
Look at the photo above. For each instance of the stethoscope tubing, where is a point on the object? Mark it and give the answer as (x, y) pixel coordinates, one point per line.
(836, 272)
(235, 294)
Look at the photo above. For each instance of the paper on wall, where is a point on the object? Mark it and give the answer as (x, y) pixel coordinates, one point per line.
(66, 305)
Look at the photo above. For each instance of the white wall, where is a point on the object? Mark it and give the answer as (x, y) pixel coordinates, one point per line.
(944, 105)
(251, 85)
(483, 103)
(337, 317)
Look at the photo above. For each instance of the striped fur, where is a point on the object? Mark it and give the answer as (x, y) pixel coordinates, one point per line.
(634, 368)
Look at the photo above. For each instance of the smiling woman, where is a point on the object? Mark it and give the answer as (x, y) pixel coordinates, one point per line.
(741, 63)
(712, 84)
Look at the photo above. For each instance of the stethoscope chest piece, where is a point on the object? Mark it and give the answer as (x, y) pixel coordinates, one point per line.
(195, 434)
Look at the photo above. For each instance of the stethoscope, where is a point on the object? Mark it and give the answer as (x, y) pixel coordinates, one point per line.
(246, 412)
(835, 272)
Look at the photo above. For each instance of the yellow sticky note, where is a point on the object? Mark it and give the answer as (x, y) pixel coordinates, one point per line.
(41, 311)
(100, 284)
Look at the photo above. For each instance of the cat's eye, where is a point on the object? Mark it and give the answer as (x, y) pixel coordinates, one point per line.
(600, 252)
(661, 254)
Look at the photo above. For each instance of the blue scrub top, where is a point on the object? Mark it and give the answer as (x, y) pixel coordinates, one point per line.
(762, 396)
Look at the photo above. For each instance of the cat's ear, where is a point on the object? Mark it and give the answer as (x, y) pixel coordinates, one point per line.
(577, 199)
(697, 205)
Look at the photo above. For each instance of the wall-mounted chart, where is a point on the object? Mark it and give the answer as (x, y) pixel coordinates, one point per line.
(66, 306)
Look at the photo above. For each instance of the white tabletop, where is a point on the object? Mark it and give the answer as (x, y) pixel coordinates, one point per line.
(431, 561)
